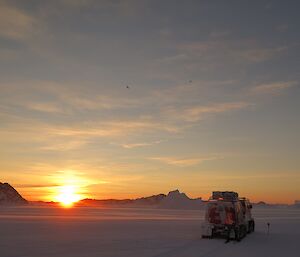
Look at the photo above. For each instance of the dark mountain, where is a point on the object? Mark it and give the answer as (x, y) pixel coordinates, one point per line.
(10, 196)
(150, 200)
(177, 200)
(174, 200)
(143, 201)
(261, 203)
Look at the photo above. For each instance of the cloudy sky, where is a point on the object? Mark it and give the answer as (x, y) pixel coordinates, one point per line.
(132, 98)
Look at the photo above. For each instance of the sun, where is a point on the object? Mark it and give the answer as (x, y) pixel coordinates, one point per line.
(67, 195)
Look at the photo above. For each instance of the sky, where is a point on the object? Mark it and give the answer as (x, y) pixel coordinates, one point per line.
(123, 99)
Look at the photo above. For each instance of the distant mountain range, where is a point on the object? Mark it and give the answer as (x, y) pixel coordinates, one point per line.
(173, 200)
(10, 196)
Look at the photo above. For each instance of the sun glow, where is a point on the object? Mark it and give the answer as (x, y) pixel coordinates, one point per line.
(68, 196)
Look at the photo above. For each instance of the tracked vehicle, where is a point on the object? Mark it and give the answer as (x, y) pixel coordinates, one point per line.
(227, 215)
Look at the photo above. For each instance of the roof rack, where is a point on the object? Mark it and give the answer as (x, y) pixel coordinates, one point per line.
(225, 195)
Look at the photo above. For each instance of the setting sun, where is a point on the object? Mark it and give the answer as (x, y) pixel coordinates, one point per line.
(67, 195)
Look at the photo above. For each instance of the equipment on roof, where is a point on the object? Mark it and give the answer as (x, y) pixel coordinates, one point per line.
(226, 195)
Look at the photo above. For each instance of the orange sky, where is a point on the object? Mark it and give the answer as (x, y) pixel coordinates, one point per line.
(133, 98)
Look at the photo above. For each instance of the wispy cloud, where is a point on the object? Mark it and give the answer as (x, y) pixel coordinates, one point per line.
(47, 135)
(198, 112)
(135, 145)
(260, 54)
(45, 107)
(64, 145)
(173, 58)
(244, 50)
(62, 134)
(263, 175)
(190, 91)
(273, 88)
(15, 23)
(36, 185)
(77, 3)
(111, 128)
(183, 162)
(63, 98)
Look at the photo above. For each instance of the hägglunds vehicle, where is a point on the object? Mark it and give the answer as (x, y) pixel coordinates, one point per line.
(227, 215)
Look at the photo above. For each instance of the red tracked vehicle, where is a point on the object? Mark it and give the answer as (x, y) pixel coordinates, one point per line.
(227, 215)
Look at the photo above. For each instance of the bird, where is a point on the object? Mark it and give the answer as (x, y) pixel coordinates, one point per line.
(127, 87)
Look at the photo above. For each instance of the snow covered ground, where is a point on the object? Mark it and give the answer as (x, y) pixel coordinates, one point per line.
(82, 231)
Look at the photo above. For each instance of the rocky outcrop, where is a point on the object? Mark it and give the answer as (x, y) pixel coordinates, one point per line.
(177, 200)
(143, 201)
(150, 200)
(10, 196)
(173, 200)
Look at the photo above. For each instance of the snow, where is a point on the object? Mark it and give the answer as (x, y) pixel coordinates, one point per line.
(34, 231)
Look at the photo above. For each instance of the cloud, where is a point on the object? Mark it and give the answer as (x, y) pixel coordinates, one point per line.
(111, 128)
(15, 23)
(36, 185)
(53, 137)
(183, 162)
(64, 146)
(263, 175)
(77, 3)
(189, 92)
(75, 97)
(45, 107)
(63, 98)
(234, 50)
(135, 145)
(198, 112)
(273, 88)
(53, 133)
(173, 58)
(260, 54)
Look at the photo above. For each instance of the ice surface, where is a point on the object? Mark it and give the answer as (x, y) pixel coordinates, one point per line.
(79, 232)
